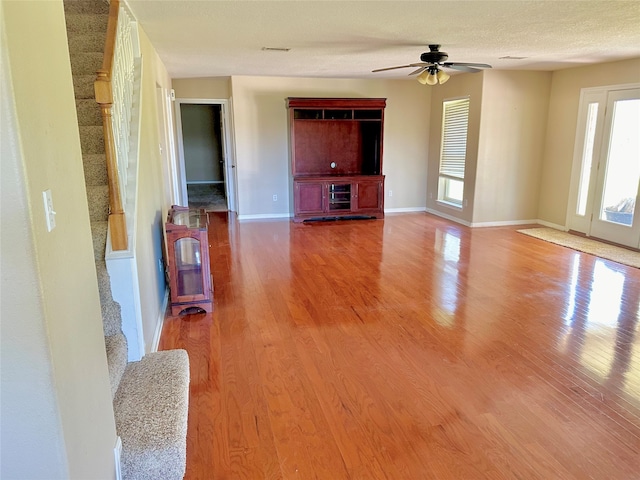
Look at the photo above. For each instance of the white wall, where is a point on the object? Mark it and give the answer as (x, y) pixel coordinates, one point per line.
(512, 134)
(505, 142)
(210, 87)
(57, 416)
(152, 204)
(261, 138)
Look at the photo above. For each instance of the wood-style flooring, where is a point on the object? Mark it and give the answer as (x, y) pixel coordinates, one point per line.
(410, 348)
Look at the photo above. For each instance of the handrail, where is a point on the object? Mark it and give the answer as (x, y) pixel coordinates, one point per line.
(104, 97)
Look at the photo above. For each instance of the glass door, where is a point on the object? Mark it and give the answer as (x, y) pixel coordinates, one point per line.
(615, 216)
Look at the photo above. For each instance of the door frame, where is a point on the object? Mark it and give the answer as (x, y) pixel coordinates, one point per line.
(167, 145)
(228, 153)
(574, 221)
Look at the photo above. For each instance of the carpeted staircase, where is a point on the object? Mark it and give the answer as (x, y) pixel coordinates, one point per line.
(150, 397)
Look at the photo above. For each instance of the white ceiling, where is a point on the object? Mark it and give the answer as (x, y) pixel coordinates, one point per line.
(348, 39)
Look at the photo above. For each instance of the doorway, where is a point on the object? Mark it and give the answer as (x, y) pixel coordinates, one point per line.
(207, 173)
(606, 177)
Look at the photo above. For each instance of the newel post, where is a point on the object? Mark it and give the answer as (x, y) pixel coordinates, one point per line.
(117, 219)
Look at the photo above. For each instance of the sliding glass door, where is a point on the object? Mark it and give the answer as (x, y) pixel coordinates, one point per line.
(606, 183)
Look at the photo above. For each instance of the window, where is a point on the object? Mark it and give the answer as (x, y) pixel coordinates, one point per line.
(455, 122)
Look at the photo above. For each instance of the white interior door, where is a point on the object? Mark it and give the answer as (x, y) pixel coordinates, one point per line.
(615, 217)
(606, 175)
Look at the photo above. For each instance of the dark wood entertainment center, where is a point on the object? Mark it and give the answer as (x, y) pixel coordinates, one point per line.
(336, 157)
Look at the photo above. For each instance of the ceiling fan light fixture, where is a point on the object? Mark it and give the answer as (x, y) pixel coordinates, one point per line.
(422, 78)
(432, 79)
(442, 76)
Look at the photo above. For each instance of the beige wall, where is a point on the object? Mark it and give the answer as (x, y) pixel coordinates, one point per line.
(458, 86)
(152, 196)
(56, 399)
(261, 138)
(512, 131)
(561, 129)
(209, 88)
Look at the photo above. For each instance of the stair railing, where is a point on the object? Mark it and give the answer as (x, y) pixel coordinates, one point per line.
(114, 93)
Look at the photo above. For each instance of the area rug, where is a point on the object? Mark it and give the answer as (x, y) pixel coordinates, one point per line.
(587, 245)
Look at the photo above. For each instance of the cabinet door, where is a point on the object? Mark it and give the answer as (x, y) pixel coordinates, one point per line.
(309, 197)
(189, 270)
(368, 195)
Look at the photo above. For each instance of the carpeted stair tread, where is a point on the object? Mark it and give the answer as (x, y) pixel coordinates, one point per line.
(116, 346)
(95, 169)
(86, 23)
(88, 112)
(86, 42)
(151, 407)
(83, 86)
(100, 7)
(111, 317)
(98, 198)
(104, 282)
(86, 63)
(99, 236)
(91, 139)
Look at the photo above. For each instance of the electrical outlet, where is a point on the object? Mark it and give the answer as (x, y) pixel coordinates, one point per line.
(49, 212)
(275, 198)
(391, 193)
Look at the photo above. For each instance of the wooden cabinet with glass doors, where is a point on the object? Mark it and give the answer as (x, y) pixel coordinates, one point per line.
(190, 282)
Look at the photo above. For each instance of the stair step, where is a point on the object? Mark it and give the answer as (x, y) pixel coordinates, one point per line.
(111, 317)
(104, 284)
(83, 86)
(91, 140)
(87, 42)
(86, 6)
(99, 236)
(86, 23)
(88, 112)
(86, 63)
(98, 198)
(95, 169)
(116, 359)
(151, 409)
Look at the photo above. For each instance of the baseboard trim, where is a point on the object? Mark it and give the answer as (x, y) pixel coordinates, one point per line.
(160, 322)
(553, 225)
(448, 217)
(264, 216)
(506, 223)
(404, 210)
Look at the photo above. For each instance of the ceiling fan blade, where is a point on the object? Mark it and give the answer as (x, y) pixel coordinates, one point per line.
(401, 66)
(418, 71)
(462, 68)
(466, 64)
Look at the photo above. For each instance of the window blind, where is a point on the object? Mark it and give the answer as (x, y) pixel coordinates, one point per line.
(454, 138)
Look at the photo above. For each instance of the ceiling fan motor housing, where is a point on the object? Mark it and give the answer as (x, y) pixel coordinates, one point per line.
(433, 55)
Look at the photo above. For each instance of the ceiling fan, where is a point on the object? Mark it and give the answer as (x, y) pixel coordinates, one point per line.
(429, 69)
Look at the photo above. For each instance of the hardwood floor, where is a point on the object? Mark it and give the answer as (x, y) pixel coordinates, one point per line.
(410, 348)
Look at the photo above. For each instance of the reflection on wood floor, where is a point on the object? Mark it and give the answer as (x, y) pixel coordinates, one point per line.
(410, 348)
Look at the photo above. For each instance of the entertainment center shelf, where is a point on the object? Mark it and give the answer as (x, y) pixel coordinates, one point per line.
(336, 157)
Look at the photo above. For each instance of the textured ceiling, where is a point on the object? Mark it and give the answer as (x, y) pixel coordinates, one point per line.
(348, 39)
